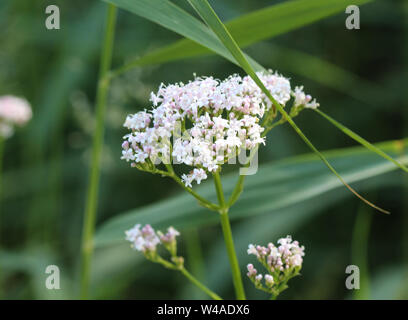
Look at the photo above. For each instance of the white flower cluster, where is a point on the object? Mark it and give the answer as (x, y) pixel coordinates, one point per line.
(146, 239)
(286, 256)
(209, 120)
(282, 263)
(13, 111)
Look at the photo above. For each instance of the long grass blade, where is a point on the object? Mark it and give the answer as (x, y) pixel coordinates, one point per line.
(310, 185)
(251, 28)
(361, 140)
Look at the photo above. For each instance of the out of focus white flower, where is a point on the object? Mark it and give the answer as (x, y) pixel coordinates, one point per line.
(6, 130)
(146, 239)
(170, 236)
(13, 111)
(143, 239)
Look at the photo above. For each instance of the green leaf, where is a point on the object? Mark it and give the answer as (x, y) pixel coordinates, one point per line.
(283, 17)
(275, 187)
(170, 16)
(266, 23)
(210, 17)
(252, 28)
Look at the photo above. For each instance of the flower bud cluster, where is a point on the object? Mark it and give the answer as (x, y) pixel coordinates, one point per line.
(282, 263)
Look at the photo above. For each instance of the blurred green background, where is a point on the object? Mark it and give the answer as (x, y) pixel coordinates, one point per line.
(358, 76)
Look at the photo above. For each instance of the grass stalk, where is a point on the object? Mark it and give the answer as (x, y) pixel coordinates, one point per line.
(93, 186)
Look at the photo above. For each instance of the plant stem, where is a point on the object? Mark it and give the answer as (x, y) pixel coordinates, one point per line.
(218, 189)
(236, 273)
(201, 200)
(239, 187)
(190, 277)
(229, 243)
(93, 188)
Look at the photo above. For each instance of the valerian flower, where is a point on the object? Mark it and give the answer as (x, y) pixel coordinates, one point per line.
(143, 239)
(14, 111)
(146, 239)
(169, 240)
(210, 121)
(281, 262)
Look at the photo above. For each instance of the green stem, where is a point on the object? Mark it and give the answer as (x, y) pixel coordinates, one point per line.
(190, 277)
(93, 188)
(273, 125)
(239, 187)
(218, 188)
(201, 200)
(229, 243)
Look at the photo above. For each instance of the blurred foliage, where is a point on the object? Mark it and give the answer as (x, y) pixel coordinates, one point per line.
(359, 77)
